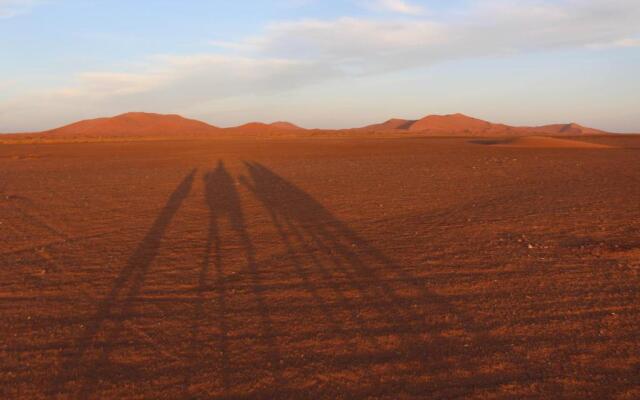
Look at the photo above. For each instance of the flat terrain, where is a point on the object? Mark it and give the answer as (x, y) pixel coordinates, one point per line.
(319, 268)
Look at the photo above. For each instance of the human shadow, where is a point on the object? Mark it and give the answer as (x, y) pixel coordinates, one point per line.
(223, 203)
(118, 303)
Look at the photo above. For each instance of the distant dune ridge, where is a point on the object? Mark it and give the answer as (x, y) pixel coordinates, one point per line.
(260, 127)
(150, 124)
(463, 125)
(136, 123)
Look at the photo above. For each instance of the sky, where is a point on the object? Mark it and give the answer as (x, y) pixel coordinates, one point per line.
(321, 63)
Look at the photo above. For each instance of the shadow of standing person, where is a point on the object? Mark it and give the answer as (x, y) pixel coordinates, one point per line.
(117, 306)
(223, 203)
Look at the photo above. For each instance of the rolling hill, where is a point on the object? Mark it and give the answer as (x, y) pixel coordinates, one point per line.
(136, 124)
(463, 125)
(140, 124)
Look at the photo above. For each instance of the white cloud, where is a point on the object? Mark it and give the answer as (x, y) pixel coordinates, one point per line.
(620, 43)
(486, 28)
(397, 6)
(166, 80)
(629, 42)
(11, 8)
(350, 43)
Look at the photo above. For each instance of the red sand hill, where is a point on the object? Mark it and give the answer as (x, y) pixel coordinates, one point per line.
(454, 123)
(284, 125)
(137, 124)
(148, 125)
(563, 129)
(462, 125)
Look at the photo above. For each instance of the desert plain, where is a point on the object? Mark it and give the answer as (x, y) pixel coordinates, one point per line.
(345, 267)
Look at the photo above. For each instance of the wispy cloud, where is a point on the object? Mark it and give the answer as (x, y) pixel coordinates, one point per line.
(487, 28)
(12, 8)
(628, 42)
(396, 6)
(619, 43)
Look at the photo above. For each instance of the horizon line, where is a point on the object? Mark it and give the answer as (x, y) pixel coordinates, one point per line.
(276, 121)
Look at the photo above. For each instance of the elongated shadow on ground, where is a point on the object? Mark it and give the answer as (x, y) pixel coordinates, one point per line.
(224, 205)
(380, 296)
(117, 305)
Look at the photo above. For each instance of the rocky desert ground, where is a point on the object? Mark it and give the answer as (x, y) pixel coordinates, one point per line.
(361, 267)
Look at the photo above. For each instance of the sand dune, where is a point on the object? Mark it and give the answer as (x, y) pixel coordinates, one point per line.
(150, 124)
(136, 124)
(284, 125)
(262, 128)
(454, 123)
(571, 129)
(140, 124)
(463, 125)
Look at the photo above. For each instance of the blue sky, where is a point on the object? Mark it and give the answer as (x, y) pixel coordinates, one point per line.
(321, 63)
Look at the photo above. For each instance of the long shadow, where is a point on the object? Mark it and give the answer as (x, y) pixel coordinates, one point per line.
(217, 195)
(223, 202)
(310, 221)
(316, 230)
(301, 221)
(298, 259)
(400, 300)
(300, 252)
(121, 297)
